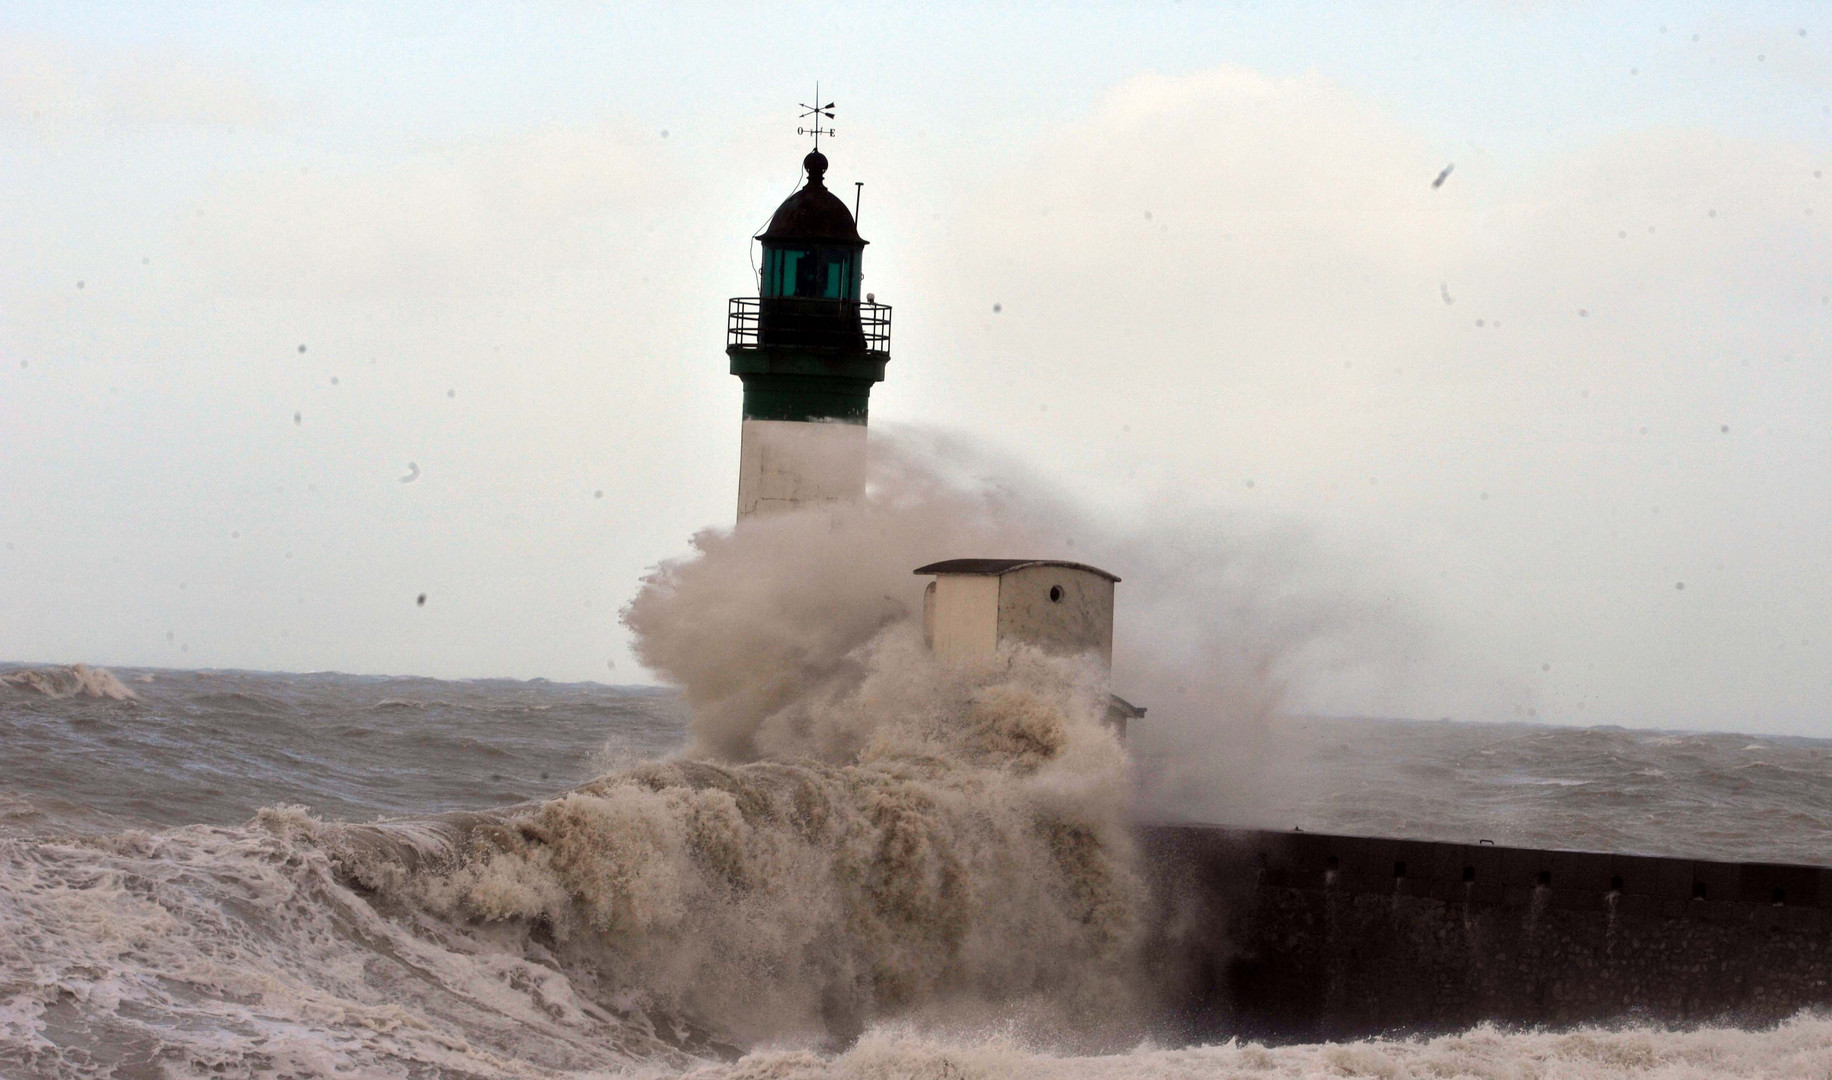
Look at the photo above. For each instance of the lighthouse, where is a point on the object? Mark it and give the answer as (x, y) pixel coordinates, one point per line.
(808, 350)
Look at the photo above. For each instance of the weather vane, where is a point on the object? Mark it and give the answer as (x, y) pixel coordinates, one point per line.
(817, 111)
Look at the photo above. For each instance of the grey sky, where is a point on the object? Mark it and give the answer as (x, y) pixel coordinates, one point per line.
(1525, 405)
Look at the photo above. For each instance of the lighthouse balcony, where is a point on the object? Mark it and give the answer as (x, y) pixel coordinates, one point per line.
(806, 323)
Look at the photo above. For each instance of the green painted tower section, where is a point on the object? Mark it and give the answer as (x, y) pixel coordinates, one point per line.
(807, 348)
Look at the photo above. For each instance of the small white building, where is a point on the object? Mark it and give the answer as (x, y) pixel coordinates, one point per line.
(1062, 608)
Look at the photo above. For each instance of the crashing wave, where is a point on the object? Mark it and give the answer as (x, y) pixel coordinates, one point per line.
(76, 680)
(974, 851)
(858, 833)
(956, 848)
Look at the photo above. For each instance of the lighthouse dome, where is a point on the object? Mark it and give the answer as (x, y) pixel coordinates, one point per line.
(813, 213)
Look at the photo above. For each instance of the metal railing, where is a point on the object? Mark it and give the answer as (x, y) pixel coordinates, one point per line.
(801, 322)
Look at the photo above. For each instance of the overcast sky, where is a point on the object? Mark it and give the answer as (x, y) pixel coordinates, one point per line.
(261, 264)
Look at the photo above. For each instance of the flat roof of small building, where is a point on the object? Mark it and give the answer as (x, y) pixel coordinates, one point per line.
(1003, 566)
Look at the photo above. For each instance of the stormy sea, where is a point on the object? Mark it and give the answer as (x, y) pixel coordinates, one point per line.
(224, 873)
(818, 853)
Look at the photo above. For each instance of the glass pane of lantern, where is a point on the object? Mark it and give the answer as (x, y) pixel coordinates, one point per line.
(805, 273)
(772, 272)
(792, 265)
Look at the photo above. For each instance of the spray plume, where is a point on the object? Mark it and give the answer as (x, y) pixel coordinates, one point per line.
(856, 831)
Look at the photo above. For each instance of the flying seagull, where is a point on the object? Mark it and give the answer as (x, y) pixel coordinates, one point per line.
(1443, 176)
(413, 473)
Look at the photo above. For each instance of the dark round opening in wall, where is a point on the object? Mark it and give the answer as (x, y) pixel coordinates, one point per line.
(1055, 594)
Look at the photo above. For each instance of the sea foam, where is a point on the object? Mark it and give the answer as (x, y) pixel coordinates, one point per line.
(75, 680)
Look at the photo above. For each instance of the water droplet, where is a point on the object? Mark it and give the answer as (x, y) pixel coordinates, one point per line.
(302, 348)
(1545, 667)
(451, 393)
(1680, 585)
(1583, 313)
(996, 308)
(597, 494)
(79, 284)
(298, 418)
(1725, 428)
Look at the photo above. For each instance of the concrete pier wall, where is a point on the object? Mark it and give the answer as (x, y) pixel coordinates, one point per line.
(1304, 936)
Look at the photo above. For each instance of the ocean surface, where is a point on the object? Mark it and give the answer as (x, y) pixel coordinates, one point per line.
(218, 873)
(1705, 795)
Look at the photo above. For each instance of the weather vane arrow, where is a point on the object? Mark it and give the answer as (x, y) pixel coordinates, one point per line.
(816, 111)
